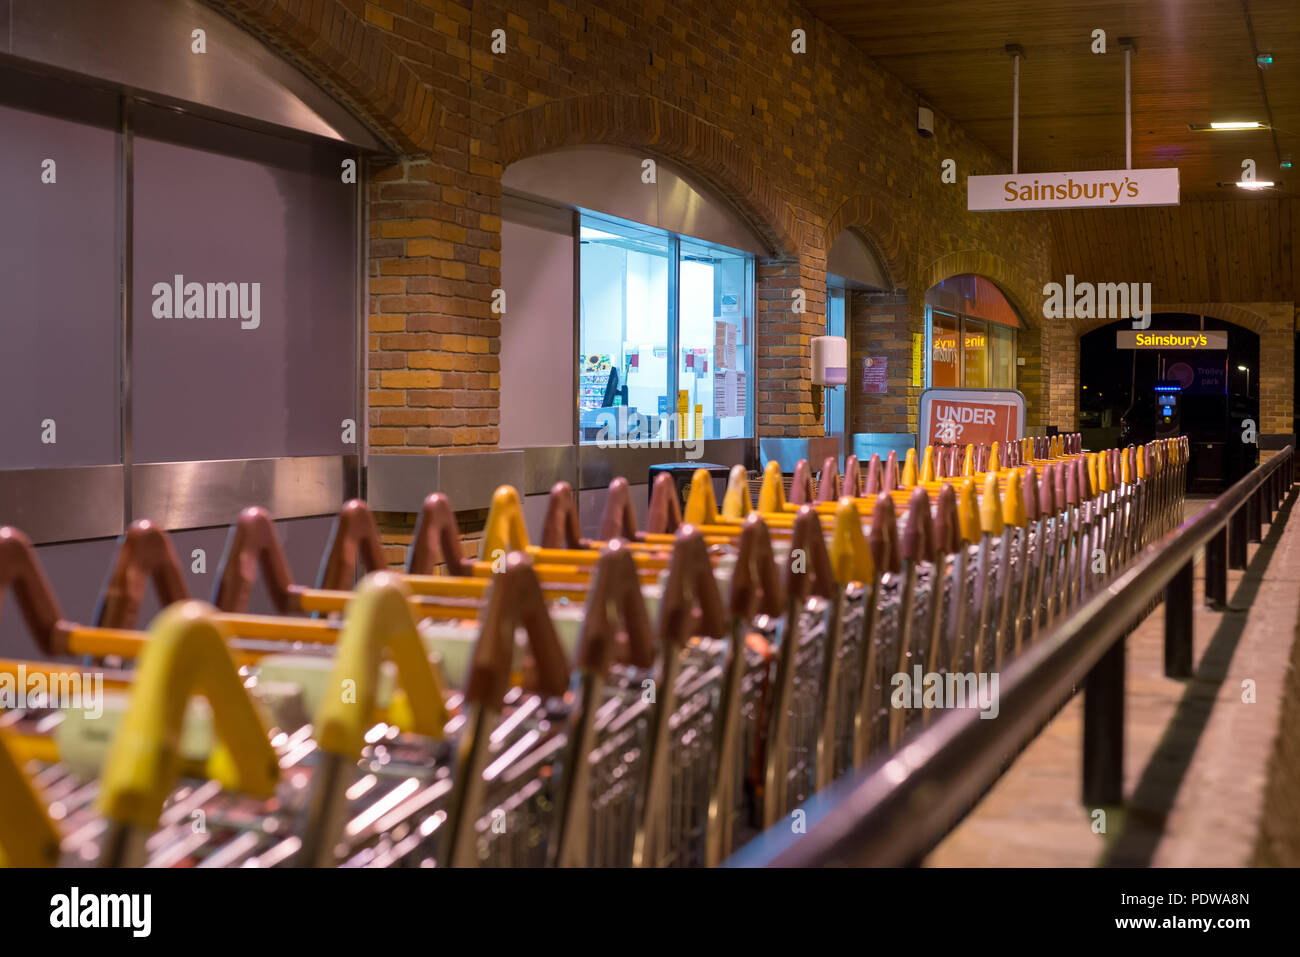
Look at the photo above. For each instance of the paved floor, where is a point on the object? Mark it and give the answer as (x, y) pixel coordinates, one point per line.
(1196, 753)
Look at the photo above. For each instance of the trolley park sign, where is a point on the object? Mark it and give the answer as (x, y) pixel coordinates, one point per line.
(1121, 187)
(1190, 340)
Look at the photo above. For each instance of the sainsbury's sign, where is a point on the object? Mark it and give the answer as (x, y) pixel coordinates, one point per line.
(963, 416)
(1123, 187)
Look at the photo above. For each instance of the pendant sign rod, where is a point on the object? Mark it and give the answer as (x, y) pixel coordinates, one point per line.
(1128, 46)
(1016, 53)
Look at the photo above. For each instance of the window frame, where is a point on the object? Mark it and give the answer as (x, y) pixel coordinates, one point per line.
(963, 322)
(593, 218)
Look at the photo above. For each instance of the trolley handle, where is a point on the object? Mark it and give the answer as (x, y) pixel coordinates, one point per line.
(253, 545)
(947, 523)
(889, 477)
(619, 517)
(145, 554)
(354, 540)
(504, 530)
(1082, 480)
(874, 481)
(852, 482)
(828, 486)
(883, 537)
(1046, 498)
(186, 655)
(378, 621)
(755, 585)
(801, 486)
(701, 503)
(615, 607)
(560, 529)
(20, 568)
(1029, 492)
(691, 605)
(918, 538)
(816, 578)
(28, 838)
(850, 554)
(1068, 483)
(436, 540)
(665, 515)
(515, 600)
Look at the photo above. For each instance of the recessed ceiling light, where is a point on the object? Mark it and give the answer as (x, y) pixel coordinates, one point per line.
(1227, 127)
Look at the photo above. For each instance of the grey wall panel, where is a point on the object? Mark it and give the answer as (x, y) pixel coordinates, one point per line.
(535, 515)
(591, 506)
(59, 300)
(261, 211)
(76, 571)
(537, 347)
(147, 45)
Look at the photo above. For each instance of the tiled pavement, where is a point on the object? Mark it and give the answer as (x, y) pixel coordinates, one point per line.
(1196, 755)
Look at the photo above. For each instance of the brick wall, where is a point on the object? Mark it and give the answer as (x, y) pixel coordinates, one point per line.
(882, 325)
(804, 144)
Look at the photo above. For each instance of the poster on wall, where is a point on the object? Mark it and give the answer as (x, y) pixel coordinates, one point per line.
(874, 374)
(965, 416)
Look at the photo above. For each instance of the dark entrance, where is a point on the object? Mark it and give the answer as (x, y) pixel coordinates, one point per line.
(1219, 397)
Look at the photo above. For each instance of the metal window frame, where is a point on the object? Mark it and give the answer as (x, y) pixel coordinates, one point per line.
(673, 319)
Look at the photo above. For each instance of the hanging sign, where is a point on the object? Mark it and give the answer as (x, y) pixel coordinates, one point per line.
(1105, 188)
(963, 416)
(1193, 340)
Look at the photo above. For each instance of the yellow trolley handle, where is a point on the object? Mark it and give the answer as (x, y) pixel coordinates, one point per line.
(28, 837)
(185, 656)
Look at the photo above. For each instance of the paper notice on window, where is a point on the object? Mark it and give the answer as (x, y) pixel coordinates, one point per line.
(741, 394)
(731, 346)
(721, 401)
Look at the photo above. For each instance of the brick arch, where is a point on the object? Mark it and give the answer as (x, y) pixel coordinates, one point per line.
(647, 123)
(870, 221)
(352, 61)
(1226, 311)
(1025, 296)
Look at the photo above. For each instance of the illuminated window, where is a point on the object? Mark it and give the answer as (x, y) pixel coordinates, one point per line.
(971, 330)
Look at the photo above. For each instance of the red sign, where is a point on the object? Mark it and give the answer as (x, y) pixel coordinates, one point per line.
(965, 416)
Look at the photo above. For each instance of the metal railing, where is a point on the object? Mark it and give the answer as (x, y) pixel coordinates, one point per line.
(896, 812)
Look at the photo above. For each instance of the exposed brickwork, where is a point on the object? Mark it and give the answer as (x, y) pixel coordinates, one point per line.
(434, 342)
(882, 325)
(805, 145)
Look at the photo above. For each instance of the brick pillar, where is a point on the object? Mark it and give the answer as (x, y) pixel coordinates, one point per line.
(1277, 369)
(881, 326)
(433, 344)
(783, 360)
(1031, 378)
(1063, 375)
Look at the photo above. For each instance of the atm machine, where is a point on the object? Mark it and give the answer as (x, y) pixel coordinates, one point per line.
(1169, 406)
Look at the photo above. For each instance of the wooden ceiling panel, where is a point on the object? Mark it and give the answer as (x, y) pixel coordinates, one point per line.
(1195, 63)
